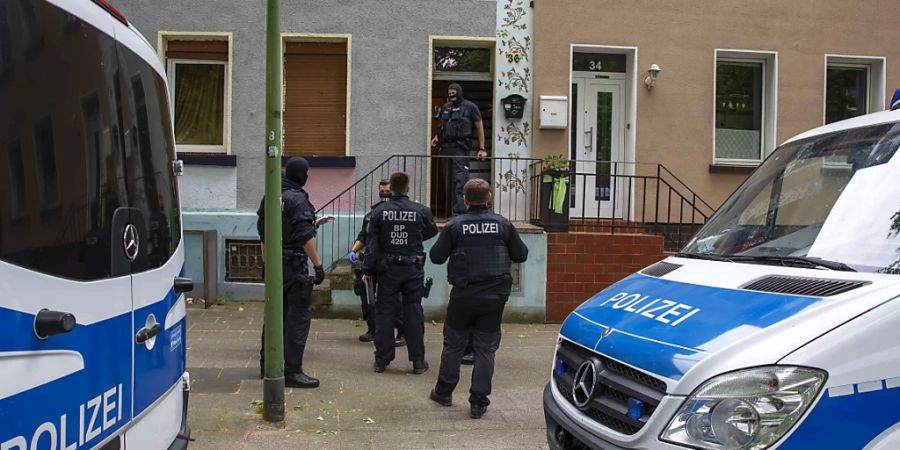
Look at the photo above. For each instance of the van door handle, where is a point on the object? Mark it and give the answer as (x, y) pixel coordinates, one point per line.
(145, 334)
(183, 285)
(48, 323)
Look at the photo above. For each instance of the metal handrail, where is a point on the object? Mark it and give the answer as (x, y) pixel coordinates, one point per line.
(657, 201)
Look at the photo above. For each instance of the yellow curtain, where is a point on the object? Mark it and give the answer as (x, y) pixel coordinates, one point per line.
(199, 103)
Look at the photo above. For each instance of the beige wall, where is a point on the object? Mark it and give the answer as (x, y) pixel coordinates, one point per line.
(675, 120)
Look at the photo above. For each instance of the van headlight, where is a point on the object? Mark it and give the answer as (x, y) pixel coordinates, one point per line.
(745, 410)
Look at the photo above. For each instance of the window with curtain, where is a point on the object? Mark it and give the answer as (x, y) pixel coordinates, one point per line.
(198, 72)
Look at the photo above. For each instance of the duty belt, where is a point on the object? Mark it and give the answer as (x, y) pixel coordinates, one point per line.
(402, 259)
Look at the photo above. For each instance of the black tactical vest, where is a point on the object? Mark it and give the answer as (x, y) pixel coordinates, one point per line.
(481, 253)
(401, 227)
(455, 126)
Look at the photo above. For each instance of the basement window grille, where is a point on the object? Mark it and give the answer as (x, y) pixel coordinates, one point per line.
(243, 261)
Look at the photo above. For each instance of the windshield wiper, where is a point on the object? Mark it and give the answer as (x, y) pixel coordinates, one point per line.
(706, 256)
(802, 260)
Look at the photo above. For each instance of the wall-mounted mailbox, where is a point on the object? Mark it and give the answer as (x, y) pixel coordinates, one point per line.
(554, 111)
(513, 106)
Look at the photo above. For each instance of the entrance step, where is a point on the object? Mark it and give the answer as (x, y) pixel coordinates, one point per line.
(341, 275)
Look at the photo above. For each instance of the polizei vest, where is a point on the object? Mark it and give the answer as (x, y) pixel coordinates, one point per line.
(481, 253)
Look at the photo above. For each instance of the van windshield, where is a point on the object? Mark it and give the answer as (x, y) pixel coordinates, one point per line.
(831, 201)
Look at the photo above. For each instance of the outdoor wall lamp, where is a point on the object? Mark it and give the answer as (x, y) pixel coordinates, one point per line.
(652, 76)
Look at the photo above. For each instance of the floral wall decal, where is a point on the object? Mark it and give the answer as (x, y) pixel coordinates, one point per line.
(513, 15)
(512, 134)
(513, 75)
(515, 80)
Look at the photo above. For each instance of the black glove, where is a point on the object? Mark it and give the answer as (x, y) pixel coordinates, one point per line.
(320, 275)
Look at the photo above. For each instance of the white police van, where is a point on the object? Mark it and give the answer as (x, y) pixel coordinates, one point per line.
(92, 329)
(777, 326)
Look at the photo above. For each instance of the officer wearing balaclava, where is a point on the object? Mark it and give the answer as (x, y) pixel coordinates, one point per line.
(298, 231)
(460, 124)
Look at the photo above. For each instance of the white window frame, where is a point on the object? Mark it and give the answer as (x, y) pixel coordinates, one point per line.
(163, 37)
(769, 60)
(170, 73)
(876, 89)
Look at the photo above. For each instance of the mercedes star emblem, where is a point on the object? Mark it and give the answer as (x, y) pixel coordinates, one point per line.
(130, 242)
(585, 383)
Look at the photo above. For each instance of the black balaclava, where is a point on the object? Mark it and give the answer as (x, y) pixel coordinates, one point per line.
(458, 98)
(384, 195)
(297, 170)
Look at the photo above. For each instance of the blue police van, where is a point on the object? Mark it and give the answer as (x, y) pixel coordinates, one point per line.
(777, 326)
(92, 311)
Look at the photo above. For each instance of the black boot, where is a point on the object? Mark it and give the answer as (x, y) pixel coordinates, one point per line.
(400, 341)
(379, 366)
(420, 367)
(300, 380)
(476, 411)
(468, 359)
(368, 336)
(440, 400)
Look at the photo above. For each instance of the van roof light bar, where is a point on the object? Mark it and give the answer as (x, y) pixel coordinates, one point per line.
(111, 10)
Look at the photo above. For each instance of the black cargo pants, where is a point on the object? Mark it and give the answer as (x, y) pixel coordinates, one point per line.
(456, 174)
(368, 306)
(296, 318)
(479, 317)
(400, 290)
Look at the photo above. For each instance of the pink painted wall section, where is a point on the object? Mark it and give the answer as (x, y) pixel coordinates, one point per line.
(325, 183)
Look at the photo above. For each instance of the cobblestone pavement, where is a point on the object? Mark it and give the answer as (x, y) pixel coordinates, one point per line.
(356, 408)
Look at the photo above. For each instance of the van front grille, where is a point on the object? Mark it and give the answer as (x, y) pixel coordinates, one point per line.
(616, 385)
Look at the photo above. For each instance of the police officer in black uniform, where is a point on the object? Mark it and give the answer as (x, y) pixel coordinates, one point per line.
(480, 245)
(396, 258)
(460, 123)
(298, 247)
(364, 290)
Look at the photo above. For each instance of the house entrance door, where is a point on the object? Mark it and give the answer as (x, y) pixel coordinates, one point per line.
(598, 149)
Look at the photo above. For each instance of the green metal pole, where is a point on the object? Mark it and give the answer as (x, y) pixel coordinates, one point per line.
(273, 385)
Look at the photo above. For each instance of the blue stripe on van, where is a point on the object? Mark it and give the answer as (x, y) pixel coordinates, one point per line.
(850, 422)
(666, 327)
(106, 349)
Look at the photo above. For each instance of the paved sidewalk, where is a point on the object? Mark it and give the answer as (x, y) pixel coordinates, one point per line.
(356, 408)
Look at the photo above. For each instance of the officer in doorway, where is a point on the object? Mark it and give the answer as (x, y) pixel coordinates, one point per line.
(460, 123)
(480, 245)
(298, 247)
(396, 259)
(364, 290)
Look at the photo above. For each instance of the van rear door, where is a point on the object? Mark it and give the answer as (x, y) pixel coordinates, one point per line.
(159, 339)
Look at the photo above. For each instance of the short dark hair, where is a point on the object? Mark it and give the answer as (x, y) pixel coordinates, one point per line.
(399, 182)
(476, 191)
(384, 182)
